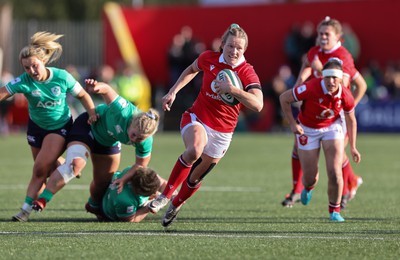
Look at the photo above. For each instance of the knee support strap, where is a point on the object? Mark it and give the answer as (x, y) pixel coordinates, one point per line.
(67, 169)
(194, 184)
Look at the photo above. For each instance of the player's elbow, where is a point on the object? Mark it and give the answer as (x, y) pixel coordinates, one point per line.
(260, 106)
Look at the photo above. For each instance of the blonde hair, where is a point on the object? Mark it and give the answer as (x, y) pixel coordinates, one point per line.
(146, 122)
(43, 45)
(237, 31)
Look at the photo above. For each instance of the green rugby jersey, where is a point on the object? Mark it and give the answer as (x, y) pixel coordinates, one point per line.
(112, 125)
(47, 100)
(121, 205)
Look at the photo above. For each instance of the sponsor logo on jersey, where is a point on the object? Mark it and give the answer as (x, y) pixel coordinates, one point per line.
(123, 102)
(36, 93)
(16, 80)
(129, 209)
(301, 89)
(49, 103)
(56, 91)
(118, 129)
(326, 114)
(213, 96)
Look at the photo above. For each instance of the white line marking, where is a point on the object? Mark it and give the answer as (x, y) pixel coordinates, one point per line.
(182, 234)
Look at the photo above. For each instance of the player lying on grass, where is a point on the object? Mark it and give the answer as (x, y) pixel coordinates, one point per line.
(130, 203)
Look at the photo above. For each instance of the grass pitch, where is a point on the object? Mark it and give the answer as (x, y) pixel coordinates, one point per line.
(236, 214)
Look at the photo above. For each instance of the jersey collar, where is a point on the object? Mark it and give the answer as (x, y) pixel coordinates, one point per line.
(337, 46)
(222, 60)
(326, 92)
(51, 74)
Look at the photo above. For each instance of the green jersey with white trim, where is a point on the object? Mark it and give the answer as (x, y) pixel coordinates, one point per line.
(112, 125)
(121, 205)
(47, 100)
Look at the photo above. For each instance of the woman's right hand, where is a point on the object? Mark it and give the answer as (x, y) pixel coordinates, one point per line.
(167, 101)
(297, 129)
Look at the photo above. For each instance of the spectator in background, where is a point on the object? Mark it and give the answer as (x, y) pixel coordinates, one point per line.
(189, 46)
(105, 73)
(134, 88)
(6, 77)
(297, 42)
(216, 44)
(270, 118)
(18, 113)
(350, 41)
(183, 50)
(391, 80)
(176, 57)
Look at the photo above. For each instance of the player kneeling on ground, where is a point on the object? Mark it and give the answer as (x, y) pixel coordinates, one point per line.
(130, 204)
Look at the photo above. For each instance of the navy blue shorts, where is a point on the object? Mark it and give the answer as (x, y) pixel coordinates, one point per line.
(36, 134)
(82, 132)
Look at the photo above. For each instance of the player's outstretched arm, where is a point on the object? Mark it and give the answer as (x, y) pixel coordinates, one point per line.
(101, 88)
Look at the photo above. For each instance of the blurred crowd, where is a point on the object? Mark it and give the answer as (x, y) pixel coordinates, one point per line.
(383, 81)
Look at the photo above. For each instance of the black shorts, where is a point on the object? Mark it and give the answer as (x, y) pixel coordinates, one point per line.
(82, 132)
(36, 134)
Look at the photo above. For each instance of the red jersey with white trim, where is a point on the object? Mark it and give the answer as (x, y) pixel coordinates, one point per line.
(319, 108)
(338, 51)
(208, 106)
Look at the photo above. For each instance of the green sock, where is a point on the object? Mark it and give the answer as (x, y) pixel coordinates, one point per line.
(28, 200)
(93, 203)
(47, 195)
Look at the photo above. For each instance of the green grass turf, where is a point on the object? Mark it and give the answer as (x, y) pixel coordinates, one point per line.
(236, 214)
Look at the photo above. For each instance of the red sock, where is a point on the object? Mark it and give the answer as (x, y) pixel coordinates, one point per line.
(178, 175)
(346, 169)
(297, 174)
(352, 179)
(184, 193)
(334, 207)
(309, 188)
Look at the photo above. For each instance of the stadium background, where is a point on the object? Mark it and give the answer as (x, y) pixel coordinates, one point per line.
(91, 43)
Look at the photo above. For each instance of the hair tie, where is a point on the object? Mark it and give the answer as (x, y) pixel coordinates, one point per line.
(336, 59)
(150, 115)
(234, 25)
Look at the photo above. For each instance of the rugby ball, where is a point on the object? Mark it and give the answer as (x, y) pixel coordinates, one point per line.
(223, 75)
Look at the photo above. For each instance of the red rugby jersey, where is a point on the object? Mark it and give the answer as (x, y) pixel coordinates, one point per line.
(338, 51)
(208, 106)
(319, 108)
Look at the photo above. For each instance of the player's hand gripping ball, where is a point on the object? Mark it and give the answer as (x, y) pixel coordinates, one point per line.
(223, 75)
